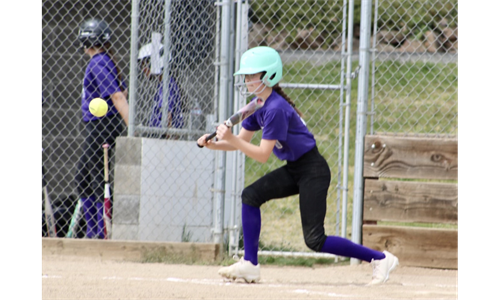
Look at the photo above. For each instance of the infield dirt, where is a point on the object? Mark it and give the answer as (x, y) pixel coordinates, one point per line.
(77, 277)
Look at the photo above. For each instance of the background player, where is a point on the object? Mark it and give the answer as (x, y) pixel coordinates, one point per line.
(175, 103)
(102, 79)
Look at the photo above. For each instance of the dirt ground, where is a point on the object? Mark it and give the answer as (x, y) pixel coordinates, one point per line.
(76, 277)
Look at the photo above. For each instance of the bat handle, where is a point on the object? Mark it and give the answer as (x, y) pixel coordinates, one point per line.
(211, 136)
(105, 147)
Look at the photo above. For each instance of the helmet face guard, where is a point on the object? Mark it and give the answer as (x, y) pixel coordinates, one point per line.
(242, 87)
(93, 33)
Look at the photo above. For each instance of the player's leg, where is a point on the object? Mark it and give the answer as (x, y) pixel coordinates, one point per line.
(95, 139)
(312, 174)
(275, 185)
(314, 180)
(85, 193)
(83, 184)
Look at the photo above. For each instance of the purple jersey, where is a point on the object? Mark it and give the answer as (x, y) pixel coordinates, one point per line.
(174, 106)
(100, 81)
(279, 121)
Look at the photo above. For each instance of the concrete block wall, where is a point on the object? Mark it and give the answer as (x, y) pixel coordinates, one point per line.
(163, 191)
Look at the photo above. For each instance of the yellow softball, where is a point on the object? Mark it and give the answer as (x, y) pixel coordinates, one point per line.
(98, 107)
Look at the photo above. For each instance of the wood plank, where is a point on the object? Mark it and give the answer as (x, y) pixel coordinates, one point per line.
(130, 250)
(411, 157)
(404, 201)
(416, 247)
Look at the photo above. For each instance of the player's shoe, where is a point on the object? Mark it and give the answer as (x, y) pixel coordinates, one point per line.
(242, 269)
(382, 268)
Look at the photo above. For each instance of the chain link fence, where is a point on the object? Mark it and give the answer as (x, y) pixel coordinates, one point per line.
(63, 68)
(174, 171)
(163, 187)
(311, 37)
(415, 71)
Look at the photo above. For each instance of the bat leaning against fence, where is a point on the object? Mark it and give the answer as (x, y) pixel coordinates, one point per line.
(50, 221)
(107, 195)
(239, 116)
(75, 220)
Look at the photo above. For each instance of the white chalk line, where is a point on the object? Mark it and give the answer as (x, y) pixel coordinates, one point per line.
(217, 282)
(222, 282)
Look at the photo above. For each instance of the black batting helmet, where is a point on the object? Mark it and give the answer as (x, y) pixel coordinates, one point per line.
(93, 32)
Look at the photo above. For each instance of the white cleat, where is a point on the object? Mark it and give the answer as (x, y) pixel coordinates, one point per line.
(382, 268)
(242, 269)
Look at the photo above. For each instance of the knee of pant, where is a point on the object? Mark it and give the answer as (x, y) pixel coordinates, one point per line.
(250, 197)
(315, 243)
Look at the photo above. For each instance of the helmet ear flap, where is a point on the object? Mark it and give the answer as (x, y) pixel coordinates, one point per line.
(268, 79)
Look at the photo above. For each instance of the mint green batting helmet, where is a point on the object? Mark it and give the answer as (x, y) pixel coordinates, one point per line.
(262, 59)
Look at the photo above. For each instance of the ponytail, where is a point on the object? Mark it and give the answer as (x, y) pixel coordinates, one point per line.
(280, 91)
(107, 48)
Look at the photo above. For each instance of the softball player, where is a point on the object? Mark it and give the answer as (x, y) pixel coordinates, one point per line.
(175, 112)
(102, 79)
(306, 172)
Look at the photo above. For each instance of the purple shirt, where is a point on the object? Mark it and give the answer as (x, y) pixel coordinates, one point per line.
(100, 81)
(279, 121)
(174, 106)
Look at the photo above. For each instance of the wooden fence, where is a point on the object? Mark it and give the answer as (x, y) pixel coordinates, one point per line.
(410, 195)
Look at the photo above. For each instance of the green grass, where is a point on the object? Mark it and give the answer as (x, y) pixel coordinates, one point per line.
(169, 256)
(291, 261)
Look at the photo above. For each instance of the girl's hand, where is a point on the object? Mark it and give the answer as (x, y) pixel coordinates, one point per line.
(202, 141)
(224, 133)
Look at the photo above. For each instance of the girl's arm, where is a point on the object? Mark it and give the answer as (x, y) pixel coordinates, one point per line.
(244, 134)
(259, 153)
(120, 102)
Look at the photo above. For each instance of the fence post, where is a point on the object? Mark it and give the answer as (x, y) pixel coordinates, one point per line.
(364, 63)
(220, 170)
(134, 29)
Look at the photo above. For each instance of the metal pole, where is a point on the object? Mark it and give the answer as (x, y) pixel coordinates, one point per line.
(311, 86)
(220, 175)
(166, 66)
(233, 237)
(374, 50)
(345, 178)
(364, 62)
(134, 40)
(216, 62)
(341, 110)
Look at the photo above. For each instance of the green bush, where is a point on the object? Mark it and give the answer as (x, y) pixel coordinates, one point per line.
(412, 16)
